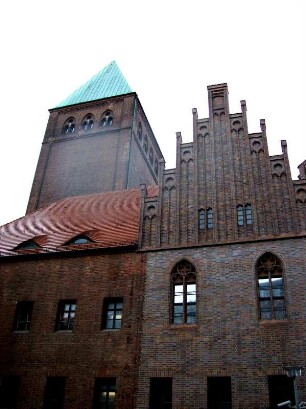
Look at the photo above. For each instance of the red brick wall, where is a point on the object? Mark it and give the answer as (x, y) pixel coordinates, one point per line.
(228, 338)
(86, 352)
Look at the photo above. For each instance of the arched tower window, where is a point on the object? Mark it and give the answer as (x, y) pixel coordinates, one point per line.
(269, 271)
(183, 282)
(69, 126)
(107, 118)
(88, 122)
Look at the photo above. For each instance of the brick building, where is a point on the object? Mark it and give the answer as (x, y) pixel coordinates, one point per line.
(128, 285)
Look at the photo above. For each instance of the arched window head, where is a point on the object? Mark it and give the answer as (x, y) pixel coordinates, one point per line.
(28, 245)
(69, 126)
(145, 144)
(248, 214)
(210, 222)
(269, 271)
(202, 219)
(107, 118)
(88, 122)
(139, 131)
(183, 282)
(206, 219)
(151, 156)
(81, 239)
(240, 218)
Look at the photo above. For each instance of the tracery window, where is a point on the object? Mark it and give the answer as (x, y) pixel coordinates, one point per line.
(88, 122)
(183, 281)
(107, 119)
(69, 126)
(271, 296)
(206, 219)
(244, 215)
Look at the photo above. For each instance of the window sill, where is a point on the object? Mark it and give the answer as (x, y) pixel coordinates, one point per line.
(274, 322)
(186, 325)
(64, 331)
(21, 332)
(110, 329)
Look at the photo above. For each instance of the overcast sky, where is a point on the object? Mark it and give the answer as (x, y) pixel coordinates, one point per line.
(169, 52)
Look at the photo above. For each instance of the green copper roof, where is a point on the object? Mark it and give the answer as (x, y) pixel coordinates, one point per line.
(109, 82)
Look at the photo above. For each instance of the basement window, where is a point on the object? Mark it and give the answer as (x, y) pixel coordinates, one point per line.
(104, 393)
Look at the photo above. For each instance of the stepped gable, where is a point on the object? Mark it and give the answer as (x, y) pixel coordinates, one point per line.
(108, 219)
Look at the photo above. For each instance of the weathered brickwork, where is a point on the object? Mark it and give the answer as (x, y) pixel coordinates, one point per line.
(86, 352)
(212, 223)
(228, 338)
(97, 159)
(222, 168)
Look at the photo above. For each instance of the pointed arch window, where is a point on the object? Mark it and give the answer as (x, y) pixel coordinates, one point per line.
(183, 281)
(88, 122)
(69, 126)
(269, 271)
(107, 119)
(206, 219)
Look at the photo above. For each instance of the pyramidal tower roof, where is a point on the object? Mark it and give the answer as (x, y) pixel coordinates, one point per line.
(109, 82)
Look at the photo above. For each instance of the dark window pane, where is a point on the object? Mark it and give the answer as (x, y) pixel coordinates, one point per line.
(54, 393)
(112, 313)
(104, 393)
(23, 316)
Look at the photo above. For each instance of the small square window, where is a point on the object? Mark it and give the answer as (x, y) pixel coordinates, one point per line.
(112, 313)
(23, 316)
(66, 315)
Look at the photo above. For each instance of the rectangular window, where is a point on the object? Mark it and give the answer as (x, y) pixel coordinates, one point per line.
(9, 392)
(219, 392)
(23, 316)
(104, 393)
(65, 315)
(160, 393)
(54, 392)
(112, 313)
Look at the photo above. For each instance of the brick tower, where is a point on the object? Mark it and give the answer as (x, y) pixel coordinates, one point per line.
(97, 140)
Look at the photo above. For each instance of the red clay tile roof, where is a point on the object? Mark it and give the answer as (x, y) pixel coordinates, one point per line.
(110, 219)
